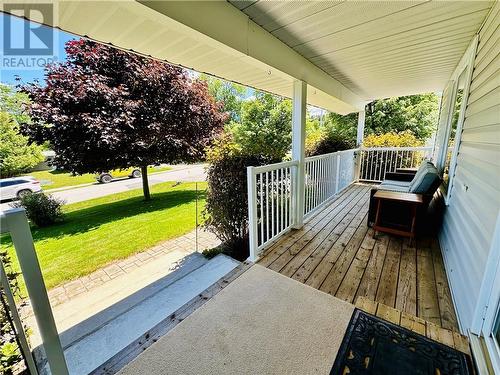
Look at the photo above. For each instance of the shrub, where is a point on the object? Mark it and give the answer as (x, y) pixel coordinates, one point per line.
(330, 143)
(41, 209)
(226, 209)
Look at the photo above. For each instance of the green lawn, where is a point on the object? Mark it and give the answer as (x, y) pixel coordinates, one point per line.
(58, 179)
(99, 231)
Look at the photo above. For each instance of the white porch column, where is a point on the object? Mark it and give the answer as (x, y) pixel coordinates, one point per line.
(298, 148)
(361, 128)
(359, 142)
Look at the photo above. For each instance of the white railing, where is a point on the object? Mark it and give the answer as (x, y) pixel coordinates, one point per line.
(326, 175)
(376, 161)
(270, 204)
(15, 222)
(272, 201)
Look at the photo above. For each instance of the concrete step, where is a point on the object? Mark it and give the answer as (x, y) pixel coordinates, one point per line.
(117, 307)
(90, 310)
(100, 338)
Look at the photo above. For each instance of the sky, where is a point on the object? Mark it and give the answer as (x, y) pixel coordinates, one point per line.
(8, 75)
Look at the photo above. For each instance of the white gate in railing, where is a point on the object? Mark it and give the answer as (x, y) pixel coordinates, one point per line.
(376, 161)
(272, 199)
(326, 175)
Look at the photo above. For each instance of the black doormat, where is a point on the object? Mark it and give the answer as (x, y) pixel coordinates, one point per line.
(374, 346)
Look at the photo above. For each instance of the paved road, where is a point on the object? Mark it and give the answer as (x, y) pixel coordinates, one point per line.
(179, 173)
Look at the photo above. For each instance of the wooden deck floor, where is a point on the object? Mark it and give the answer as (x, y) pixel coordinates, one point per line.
(335, 252)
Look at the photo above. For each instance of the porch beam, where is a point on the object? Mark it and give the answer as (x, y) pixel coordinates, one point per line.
(299, 149)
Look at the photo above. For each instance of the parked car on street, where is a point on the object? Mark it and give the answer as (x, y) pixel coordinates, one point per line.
(107, 177)
(17, 187)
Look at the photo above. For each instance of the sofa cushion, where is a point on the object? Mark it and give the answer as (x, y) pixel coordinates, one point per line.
(390, 187)
(422, 169)
(396, 182)
(425, 181)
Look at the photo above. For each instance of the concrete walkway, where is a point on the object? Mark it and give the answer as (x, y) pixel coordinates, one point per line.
(160, 254)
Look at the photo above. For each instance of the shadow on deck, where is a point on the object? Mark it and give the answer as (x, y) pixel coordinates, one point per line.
(335, 252)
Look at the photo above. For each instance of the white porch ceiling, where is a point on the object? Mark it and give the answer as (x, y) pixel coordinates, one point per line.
(348, 52)
(376, 49)
(131, 25)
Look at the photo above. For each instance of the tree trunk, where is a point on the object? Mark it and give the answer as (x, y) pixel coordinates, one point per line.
(145, 185)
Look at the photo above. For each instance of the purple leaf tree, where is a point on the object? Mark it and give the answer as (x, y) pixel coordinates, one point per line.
(106, 109)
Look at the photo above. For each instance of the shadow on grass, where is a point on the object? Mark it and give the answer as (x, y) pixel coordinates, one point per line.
(61, 171)
(91, 218)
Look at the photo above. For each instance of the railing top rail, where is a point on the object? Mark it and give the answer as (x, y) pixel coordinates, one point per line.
(275, 166)
(419, 148)
(309, 158)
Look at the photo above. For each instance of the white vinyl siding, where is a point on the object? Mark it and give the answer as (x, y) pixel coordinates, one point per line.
(469, 219)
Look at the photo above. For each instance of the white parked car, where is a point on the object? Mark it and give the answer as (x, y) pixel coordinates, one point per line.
(16, 187)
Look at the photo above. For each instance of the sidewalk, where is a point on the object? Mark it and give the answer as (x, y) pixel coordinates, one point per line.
(185, 244)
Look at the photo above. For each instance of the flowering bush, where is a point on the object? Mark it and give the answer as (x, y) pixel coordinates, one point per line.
(392, 139)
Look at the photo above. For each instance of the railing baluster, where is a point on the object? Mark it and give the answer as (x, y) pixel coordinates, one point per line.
(380, 160)
(318, 182)
(306, 190)
(314, 179)
(309, 186)
(261, 208)
(285, 192)
(267, 206)
(282, 190)
(289, 195)
(273, 204)
(252, 213)
(371, 164)
(364, 164)
(321, 181)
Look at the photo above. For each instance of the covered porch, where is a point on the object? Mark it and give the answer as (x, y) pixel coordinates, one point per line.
(307, 216)
(335, 252)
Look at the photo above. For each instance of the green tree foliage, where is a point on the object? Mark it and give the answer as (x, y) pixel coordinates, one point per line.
(14, 103)
(265, 127)
(230, 95)
(415, 113)
(17, 154)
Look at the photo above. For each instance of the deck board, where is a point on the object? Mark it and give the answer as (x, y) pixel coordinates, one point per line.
(406, 295)
(336, 252)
